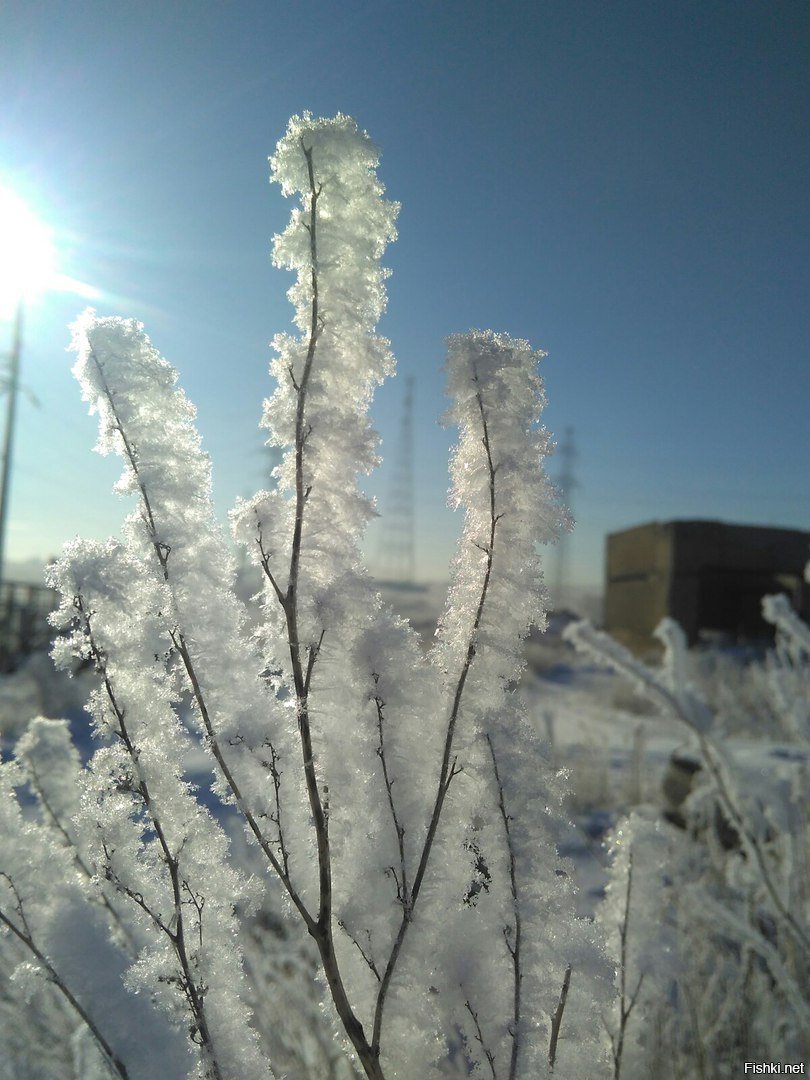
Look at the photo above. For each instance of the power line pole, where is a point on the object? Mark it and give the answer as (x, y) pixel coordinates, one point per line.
(397, 551)
(12, 389)
(566, 482)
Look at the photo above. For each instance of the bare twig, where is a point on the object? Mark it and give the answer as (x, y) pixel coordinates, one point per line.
(514, 949)
(264, 557)
(556, 1020)
(275, 773)
(480, 1039)
(198, 901)
(402, 883)
(369, 959)
(132, 894)
(19, 904)
(313, 653)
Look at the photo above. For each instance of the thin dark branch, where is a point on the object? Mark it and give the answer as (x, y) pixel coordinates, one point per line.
(275, 774)
(314, 652)
(291, 596)
(162, 550)
(402, 885)
(480, 1038)
(556, 1020)
(198, 901)
(39, 791)
(448, 768)
(514, 950)
(19, 908)
(624, 931)
(265, 561)
(625, 1004)
(264, 843)
(25, 937)
(132, 894)
(369, 959)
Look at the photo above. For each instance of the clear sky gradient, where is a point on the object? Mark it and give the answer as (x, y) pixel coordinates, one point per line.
(624, 184)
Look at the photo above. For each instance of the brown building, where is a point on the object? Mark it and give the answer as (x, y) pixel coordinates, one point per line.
(705, 574)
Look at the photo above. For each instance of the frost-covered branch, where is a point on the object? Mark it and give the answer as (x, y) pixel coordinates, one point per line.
(153, 842)
(778, 611)
(489, 553)
(479, 1035)
(23, 934)
(302, 673)
(403, 894)
(680, 700)
(34, 875)
(449, 769)
(716, 916)
(50, 764)
(627, 1000)
(369, 959)
(192, 988)
(513, 946)
(556, 1020)
(401, 801)
(302, 677)
(117, 361)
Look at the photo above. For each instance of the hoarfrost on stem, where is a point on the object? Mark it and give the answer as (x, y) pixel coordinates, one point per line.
(399, 803)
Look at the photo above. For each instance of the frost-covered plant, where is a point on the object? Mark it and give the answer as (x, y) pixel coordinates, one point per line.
(58, 934)
(399, 803)
(742, 904)
(636, 915)
(787, 669)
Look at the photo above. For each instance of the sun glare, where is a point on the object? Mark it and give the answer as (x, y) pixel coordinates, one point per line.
(27, 253)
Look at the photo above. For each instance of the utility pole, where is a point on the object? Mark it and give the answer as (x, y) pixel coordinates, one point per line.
(12, 389)
(566, 482)
(397, 551)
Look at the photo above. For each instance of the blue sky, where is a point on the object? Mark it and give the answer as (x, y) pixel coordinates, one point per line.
(624, 184)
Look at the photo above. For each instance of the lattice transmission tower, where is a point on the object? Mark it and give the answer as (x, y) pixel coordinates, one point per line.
(397, 547)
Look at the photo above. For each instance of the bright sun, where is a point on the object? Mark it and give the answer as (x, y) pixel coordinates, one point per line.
(27, 253)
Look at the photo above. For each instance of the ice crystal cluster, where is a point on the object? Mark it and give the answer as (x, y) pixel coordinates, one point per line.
(397, 802)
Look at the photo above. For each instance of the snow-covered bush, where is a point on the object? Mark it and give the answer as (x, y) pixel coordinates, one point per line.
(736, 901)
(398, 803)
